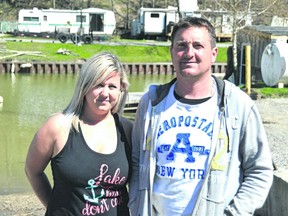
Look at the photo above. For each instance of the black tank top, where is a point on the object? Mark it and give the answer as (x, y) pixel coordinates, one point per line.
(87, 182)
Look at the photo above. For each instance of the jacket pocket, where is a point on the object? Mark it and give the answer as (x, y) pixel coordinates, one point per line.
(209, 207)
(217, 182)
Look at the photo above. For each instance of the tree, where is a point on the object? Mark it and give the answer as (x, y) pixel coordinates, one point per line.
(241, 13)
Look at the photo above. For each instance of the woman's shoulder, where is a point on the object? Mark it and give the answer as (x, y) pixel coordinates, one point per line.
(56, 122)
(56, 119)
(125, 124)
(125, 120)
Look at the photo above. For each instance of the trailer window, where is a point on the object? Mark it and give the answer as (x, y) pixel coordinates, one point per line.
(45, 18)
(31, 19)
(78, 18)
(155, 15)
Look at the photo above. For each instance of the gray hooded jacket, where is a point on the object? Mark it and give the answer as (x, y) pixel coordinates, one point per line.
(240, 170)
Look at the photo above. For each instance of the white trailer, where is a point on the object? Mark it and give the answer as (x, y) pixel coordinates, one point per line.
(157, 23)
(222, 22)
(85, 24)
(154, 22)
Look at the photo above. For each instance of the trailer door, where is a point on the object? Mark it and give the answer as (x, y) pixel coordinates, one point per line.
(97, 22)
(154, 23)
(44, 25)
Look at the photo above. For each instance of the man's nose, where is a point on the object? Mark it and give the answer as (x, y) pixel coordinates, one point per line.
(190, 50)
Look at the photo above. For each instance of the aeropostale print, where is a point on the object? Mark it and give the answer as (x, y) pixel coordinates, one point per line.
(183, 146)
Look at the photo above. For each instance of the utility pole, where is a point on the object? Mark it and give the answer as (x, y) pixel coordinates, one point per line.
(127, 16)
(81, 19)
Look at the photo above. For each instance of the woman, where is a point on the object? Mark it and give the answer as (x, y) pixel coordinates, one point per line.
(86, 145)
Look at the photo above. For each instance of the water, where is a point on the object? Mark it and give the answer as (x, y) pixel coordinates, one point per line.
(28, 101)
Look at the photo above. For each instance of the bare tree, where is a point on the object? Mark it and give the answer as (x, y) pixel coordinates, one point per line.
(112, 5)
(241, 13)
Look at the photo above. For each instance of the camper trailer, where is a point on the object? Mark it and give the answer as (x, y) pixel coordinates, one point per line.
(222, 22)
(85, 24)
(154, 23)
(157, 23)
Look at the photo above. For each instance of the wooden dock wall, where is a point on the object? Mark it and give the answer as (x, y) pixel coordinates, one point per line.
(66, 68)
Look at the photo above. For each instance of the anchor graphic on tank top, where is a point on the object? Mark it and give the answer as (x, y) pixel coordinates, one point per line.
(94, 199)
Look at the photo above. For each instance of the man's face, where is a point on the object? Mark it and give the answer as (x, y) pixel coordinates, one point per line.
(191, 52)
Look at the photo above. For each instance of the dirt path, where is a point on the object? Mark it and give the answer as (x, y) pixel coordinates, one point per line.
(274, 114)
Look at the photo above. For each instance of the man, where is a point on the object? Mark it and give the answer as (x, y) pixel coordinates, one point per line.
(199, 145)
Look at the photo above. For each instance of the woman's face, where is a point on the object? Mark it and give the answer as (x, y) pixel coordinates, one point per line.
(103, 97)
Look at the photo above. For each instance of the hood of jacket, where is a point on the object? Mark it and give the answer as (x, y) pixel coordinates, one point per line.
(162, 91)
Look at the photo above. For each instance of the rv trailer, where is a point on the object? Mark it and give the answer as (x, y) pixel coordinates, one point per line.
(157, 23)
(78, 25)
(154, 23)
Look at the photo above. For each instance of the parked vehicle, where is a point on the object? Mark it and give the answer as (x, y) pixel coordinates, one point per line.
(78, 25)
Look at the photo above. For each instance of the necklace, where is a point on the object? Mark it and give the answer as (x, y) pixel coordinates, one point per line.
(213, 87)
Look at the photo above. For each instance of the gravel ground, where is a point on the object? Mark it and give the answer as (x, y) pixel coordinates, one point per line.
(274, 115)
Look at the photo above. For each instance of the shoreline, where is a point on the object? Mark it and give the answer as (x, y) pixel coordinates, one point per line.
(21, 204)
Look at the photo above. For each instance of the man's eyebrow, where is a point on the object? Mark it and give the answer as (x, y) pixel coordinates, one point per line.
(181, 41)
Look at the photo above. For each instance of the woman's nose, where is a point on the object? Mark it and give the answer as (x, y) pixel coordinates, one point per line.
(104, 90)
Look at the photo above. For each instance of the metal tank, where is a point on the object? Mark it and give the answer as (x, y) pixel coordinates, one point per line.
(274, 63)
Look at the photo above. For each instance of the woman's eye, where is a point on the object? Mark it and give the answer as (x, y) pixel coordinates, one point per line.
(113, 87)
(98, 86)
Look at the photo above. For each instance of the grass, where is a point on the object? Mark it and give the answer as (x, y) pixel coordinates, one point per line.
(270, 92)
(126, 53)
(222, 55)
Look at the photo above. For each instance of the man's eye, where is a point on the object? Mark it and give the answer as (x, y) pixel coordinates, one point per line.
(182, 44)
(197, 46)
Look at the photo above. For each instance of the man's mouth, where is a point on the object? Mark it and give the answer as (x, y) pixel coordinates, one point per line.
(188, 63)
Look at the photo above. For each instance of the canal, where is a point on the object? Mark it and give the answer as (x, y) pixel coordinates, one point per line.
(28, 100)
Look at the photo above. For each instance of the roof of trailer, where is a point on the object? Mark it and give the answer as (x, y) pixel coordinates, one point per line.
(273, 30)
(89, 10)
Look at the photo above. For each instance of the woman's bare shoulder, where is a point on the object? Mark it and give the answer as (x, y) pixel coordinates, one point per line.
(53, 134)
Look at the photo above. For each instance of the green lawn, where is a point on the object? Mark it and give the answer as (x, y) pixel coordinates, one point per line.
(126, 53)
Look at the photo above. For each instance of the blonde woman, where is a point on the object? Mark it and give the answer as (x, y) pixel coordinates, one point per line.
(87, 146)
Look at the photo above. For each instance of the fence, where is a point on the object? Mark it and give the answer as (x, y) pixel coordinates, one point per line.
(59, 68)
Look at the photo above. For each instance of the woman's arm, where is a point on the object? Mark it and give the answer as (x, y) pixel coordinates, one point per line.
(38, 157)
